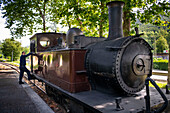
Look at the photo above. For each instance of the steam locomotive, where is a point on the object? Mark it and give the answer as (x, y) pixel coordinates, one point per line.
(96, 74)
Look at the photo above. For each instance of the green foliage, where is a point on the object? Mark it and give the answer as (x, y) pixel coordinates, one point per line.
(153, 12)
(167, 36)
(23, 16)
(10, 45)
(161, 44)
(15, 63)
(26, 49)
(4, 59)
(91, 16)
(159, 63)
(157, 36)
(160, 84)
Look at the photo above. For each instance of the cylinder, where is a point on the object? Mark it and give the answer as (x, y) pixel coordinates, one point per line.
(115, 9)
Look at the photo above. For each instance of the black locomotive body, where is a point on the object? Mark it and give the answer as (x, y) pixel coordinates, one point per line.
(87, 74)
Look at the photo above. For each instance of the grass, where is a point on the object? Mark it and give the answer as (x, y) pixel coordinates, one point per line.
(160, 84)
(3, 59)
(15, 63)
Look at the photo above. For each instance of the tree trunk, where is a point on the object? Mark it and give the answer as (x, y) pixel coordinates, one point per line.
(69, 25)
(126, 23)
(78, 18)
(101, 20)
(80, 22)
(168, 81)
(68, 22)
(44, 24)
(44, 17)
(42, 14)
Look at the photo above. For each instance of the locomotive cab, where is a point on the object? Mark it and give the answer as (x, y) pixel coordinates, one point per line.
(42, 41)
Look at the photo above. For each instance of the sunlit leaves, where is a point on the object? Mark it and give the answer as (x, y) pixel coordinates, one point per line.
(22, 16)
(91, 16)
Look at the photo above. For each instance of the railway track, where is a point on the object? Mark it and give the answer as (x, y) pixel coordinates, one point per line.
(39, 88)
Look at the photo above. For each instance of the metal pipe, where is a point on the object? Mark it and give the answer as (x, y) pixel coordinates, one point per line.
(147, 97)
(115, 9)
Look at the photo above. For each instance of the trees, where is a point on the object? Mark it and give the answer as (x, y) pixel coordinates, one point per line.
(24, 15)
(9, 46)
(161, 44)
(168, 80)
(156, 36)
(1, 50)
(90, 16)
(26, 49)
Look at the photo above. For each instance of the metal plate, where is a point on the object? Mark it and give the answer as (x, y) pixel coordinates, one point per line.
(128, 80)
(142, 64)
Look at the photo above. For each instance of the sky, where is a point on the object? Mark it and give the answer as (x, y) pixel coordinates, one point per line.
(5, 33)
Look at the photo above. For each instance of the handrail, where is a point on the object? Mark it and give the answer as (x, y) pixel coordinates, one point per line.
(147, 97)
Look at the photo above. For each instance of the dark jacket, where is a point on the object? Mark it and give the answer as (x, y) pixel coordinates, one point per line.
(23, 59)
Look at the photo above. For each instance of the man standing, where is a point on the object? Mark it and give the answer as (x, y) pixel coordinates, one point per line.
(23, 67)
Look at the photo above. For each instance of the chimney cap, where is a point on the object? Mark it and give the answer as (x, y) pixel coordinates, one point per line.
(113, 3)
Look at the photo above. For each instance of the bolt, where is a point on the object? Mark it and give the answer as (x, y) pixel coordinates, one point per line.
(118, 101)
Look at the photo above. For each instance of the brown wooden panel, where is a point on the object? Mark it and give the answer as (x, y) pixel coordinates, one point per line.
(59, 67)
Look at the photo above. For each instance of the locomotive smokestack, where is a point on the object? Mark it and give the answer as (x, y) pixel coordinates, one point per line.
(115, 19)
